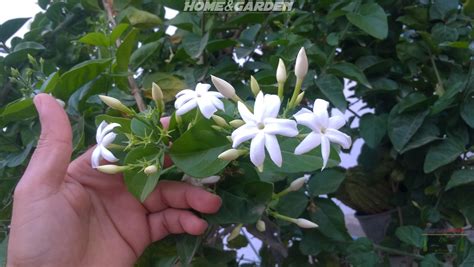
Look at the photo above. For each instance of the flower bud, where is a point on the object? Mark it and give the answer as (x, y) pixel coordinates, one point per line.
(156, 92)
(150, 170)
(260, 226)
(297, 184)
(220, 121)
(210, 180)
(236, 123)
(301, 66)
(235, 233)
(215, 127)
(231, 154)
(299, 98)
(114, 103)
(111, 169)
(303, 223)
(229, 138)
(32, 60)
(254, 86)
(281, 72)
(225, 88)
(14, 72)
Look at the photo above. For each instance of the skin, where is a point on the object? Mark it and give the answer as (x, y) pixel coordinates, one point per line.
(68, 214)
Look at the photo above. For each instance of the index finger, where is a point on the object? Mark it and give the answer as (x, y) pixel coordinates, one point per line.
(178, 195)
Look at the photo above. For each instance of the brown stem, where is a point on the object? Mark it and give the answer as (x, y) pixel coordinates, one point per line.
(135, 91)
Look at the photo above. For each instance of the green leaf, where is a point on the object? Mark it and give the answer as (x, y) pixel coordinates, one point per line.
(50, 83)
(414, 101)
(373, 128)
(216, 45)
(195, 44)
(186, 246)
(292, 163)
(443, 153)
(17, 110)
(292, 204)
(95, 38)
(19, 158)
(350, 71)
(427, 133)
(137, 181)
(169, 84)
(195, 152)
(10, 27)
(370, 18)
(402, 127)
(330, 219)
(28, 46)
(362, 254)
(460, 177)
(79, 75)
(238, 209)
(411, 235)
(125, 50)
(21, 51)
(441, 8)
(469, 259)
(117, 32)
(3, 251)
(442, 33)
(141, 18)
(141, 55)
(326, 182)
(333, 89)
(467, 109)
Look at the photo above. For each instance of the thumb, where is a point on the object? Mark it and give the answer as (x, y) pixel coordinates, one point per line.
(51, 158)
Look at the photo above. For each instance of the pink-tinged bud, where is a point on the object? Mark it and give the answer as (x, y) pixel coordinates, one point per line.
(281, 72)
(301, 66)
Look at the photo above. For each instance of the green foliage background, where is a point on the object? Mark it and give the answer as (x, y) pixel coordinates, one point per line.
(411, 61)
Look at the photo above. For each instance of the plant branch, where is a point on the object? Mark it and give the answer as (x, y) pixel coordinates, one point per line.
(398, 252)
(438, 77)
(134, 90)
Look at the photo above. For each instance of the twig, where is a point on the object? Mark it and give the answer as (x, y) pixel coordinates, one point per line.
(134, 90)
(398, 252)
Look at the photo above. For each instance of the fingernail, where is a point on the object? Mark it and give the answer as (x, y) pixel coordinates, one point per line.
(37, 102)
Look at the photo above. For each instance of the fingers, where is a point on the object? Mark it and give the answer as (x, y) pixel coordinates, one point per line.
(171, 194)
(173, 221)
(51, 158)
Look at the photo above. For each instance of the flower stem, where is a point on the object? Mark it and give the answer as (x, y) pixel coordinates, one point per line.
(280, 90)
(398, 252)
(296, 92)
(282, 217)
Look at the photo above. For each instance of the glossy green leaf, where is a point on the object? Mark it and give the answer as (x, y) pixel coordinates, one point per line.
(125, 50)
(332, 88)
(467, 111)
(195, 44)
(330, 219)
(326, 182)
(350, 71)
(460, 177)
(443, 153)
(195, 152)
(10, 27)
(402, 127)
(141, 55)
(79, 75)
(373, 129)
(362, 254)
(142, 18)
(370, 18)
(411, 235)
(427, 133)
(17, 110)
(50, 83)
(95, 38)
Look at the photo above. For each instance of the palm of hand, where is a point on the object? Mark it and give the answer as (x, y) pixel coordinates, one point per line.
(71, 215)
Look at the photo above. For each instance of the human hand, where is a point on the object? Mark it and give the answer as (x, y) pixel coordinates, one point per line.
(68, 214)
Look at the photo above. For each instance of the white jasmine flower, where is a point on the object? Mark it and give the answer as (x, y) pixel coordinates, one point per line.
(262, 127)
(324, 130)
(104, 137)
(208, 102)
